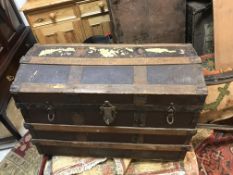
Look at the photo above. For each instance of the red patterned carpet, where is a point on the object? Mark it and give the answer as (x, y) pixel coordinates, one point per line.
(215, 154)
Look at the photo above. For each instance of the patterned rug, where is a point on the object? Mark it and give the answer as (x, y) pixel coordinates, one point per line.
(90, 166)
(23, 159)
(215, 154)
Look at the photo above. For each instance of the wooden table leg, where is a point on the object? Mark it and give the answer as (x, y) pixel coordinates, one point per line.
(8, 124)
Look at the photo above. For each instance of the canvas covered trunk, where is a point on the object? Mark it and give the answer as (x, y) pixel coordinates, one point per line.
(136, 101)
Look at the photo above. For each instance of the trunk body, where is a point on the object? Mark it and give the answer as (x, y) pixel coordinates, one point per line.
(139, 101)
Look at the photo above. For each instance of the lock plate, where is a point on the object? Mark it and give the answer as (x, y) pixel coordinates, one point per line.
(108, 112)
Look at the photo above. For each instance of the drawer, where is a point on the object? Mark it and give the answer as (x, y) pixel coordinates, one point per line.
(52, 15)
(97, 20)
(96, 25)
(92, 7)
(63, 32)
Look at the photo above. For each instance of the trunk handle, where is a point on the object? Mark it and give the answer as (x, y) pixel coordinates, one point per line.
(51, 113)
(171, 114)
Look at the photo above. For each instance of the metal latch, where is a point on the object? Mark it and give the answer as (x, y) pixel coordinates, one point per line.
(108, 112)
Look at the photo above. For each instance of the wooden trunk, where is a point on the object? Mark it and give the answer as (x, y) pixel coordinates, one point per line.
(148, 21)
(138, 101)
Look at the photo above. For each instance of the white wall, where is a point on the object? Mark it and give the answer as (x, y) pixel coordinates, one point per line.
(19, 4)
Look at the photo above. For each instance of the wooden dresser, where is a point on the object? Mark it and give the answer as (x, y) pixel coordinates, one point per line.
(67, 21)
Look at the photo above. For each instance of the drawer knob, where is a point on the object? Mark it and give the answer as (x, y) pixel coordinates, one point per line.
(171, 114)
(52, 16)
(101, 5)
(108, 112)
(10, 78)
(39, 20)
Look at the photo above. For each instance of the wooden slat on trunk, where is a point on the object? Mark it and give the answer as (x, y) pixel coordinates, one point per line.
(110, 89)
(110, 62)
(110, 145)
(105, 129)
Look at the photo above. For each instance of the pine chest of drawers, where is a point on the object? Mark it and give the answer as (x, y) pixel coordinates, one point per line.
(136, 101)
(67, 21)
